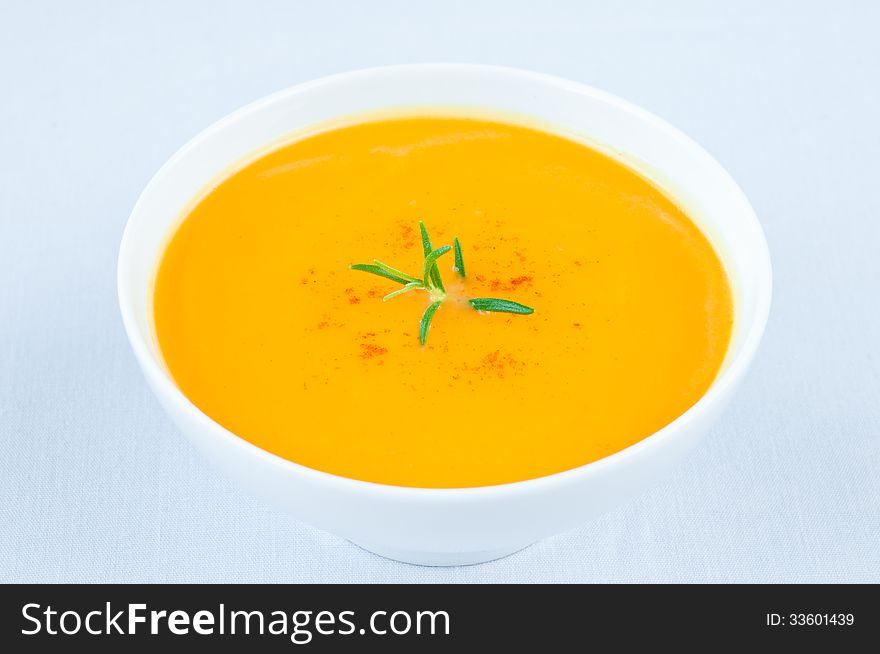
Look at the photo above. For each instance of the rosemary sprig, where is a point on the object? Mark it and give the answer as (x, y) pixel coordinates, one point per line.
(432, 283)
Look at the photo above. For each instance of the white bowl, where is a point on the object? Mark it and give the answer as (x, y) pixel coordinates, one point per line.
(467, 525)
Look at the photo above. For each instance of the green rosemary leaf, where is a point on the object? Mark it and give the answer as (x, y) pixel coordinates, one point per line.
(400, 291)
(426, 240)
(426, 321)
(376, 270)
(500, 306)
(395, 271)
(431, 266)
(436, 280)
(458, 266)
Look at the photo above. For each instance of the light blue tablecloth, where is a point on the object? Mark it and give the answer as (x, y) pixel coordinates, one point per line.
(97, 485)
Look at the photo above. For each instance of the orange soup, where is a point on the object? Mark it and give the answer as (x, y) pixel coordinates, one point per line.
(267, 329)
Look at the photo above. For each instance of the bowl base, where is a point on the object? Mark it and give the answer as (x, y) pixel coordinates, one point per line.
(439, 559)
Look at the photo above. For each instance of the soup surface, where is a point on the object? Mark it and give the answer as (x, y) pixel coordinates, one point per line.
(268, 331)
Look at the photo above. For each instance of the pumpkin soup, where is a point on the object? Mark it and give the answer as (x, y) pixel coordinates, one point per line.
(549, 305)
